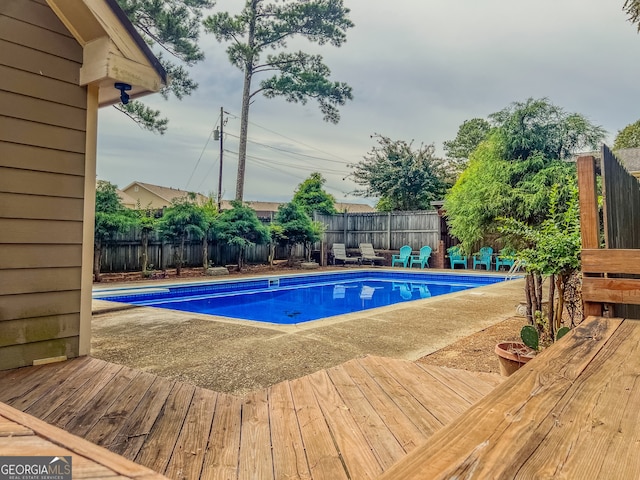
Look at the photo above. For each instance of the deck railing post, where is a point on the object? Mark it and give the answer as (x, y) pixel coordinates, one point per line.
(589, 221)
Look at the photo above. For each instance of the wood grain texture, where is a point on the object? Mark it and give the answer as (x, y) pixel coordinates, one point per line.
(342, 423)
(588, 200)
(612, 260)
(495, 437)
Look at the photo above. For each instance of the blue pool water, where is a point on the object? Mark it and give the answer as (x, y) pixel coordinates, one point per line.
(300, 298)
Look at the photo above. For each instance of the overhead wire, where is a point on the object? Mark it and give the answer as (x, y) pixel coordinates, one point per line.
(270, 163)
(291, 152)
(293, 139)
(201, 154)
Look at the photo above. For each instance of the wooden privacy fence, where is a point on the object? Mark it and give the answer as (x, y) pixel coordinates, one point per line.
(384, 230)
(125, 252)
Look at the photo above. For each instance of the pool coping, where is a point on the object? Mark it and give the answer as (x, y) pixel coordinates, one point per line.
(308, 325)
(105, 305)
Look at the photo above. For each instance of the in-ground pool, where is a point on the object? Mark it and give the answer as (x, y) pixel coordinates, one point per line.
(298, 298)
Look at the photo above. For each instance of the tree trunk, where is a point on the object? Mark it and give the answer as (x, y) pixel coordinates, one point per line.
(560, 287)
(290, 255)
(240, 258)
(246, 99)
(527, 291)
(180, 256)
(538, 292)
(205, 252)
(552, 295)
(272, 253)
(97, 258)
(145, 251)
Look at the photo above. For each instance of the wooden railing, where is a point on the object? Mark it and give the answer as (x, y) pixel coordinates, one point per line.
(607, 272)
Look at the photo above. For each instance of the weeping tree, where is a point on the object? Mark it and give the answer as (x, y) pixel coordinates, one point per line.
(510, 174)
(210, 216)
(112, 217)
(147, 223)
(241, 227)
(267, 26)
(296, 227)
(550, 249)
(313, 198)
(182, 219)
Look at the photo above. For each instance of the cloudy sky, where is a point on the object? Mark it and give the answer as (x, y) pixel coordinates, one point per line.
(418, 68)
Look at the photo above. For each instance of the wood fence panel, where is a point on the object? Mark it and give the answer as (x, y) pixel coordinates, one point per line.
(621, 192)
(382, 229)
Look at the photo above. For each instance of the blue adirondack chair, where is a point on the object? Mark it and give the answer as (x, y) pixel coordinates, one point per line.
(483, 258)
(402, 257)
(506, 258)
(422, 259)
(456, 257)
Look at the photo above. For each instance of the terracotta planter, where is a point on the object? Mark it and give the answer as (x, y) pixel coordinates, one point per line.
(512, 356)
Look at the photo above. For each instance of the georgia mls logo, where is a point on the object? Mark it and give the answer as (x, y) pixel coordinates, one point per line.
(35, 468)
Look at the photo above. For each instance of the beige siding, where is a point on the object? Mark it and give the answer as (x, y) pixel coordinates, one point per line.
(146, 198)
(42, 145)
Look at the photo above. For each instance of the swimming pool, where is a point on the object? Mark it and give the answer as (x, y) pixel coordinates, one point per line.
(298, 298)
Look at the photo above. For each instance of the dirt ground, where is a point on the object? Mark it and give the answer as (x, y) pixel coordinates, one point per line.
(236, 357)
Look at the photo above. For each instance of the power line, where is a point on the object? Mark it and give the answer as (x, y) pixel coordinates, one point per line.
(206, 176)
(200, 157)
(295, 166)
(291, 152)
(269, 164)
(294, 140)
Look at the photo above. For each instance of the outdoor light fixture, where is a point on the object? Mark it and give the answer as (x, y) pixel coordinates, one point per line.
(124, 88)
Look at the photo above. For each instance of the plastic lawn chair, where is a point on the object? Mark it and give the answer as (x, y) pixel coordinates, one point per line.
(483, 258)
(456, 257)
(403, 257)
(422, 259)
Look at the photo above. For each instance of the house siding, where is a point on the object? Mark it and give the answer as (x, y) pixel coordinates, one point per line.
(146, 199)
(43, 117)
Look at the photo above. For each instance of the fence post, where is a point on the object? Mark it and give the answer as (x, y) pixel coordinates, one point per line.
(346, 220)
(388, 230)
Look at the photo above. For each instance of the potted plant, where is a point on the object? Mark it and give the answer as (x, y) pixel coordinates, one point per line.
(513, 355)
(550, 250)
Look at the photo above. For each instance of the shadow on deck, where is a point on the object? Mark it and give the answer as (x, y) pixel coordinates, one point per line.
(351, 421)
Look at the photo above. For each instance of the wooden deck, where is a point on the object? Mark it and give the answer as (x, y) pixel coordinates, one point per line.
(573, 412)
(352, 421)
(22, 434)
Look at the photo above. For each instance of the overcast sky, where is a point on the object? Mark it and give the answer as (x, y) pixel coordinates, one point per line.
(418, 68)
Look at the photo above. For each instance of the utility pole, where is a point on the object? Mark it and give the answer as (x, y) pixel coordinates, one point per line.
(221, 153)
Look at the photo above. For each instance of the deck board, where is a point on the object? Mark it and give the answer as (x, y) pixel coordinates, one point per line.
(352, 445)
(422, 418)
(377, 434)
(221, 460)
(322, 455)
(536, 423)
(399, 424)
(255, 442)
(117, 415)
(190, 448)
(289, 458)
(352, 421)
(158, 446)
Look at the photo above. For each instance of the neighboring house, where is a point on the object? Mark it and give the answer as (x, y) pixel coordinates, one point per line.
(147, 195)
(127, 200)
(629, 157)
(151, 196)
(59, 62)
(269, 209)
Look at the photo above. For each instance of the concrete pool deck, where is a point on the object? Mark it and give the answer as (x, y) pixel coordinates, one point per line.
(236, 357)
